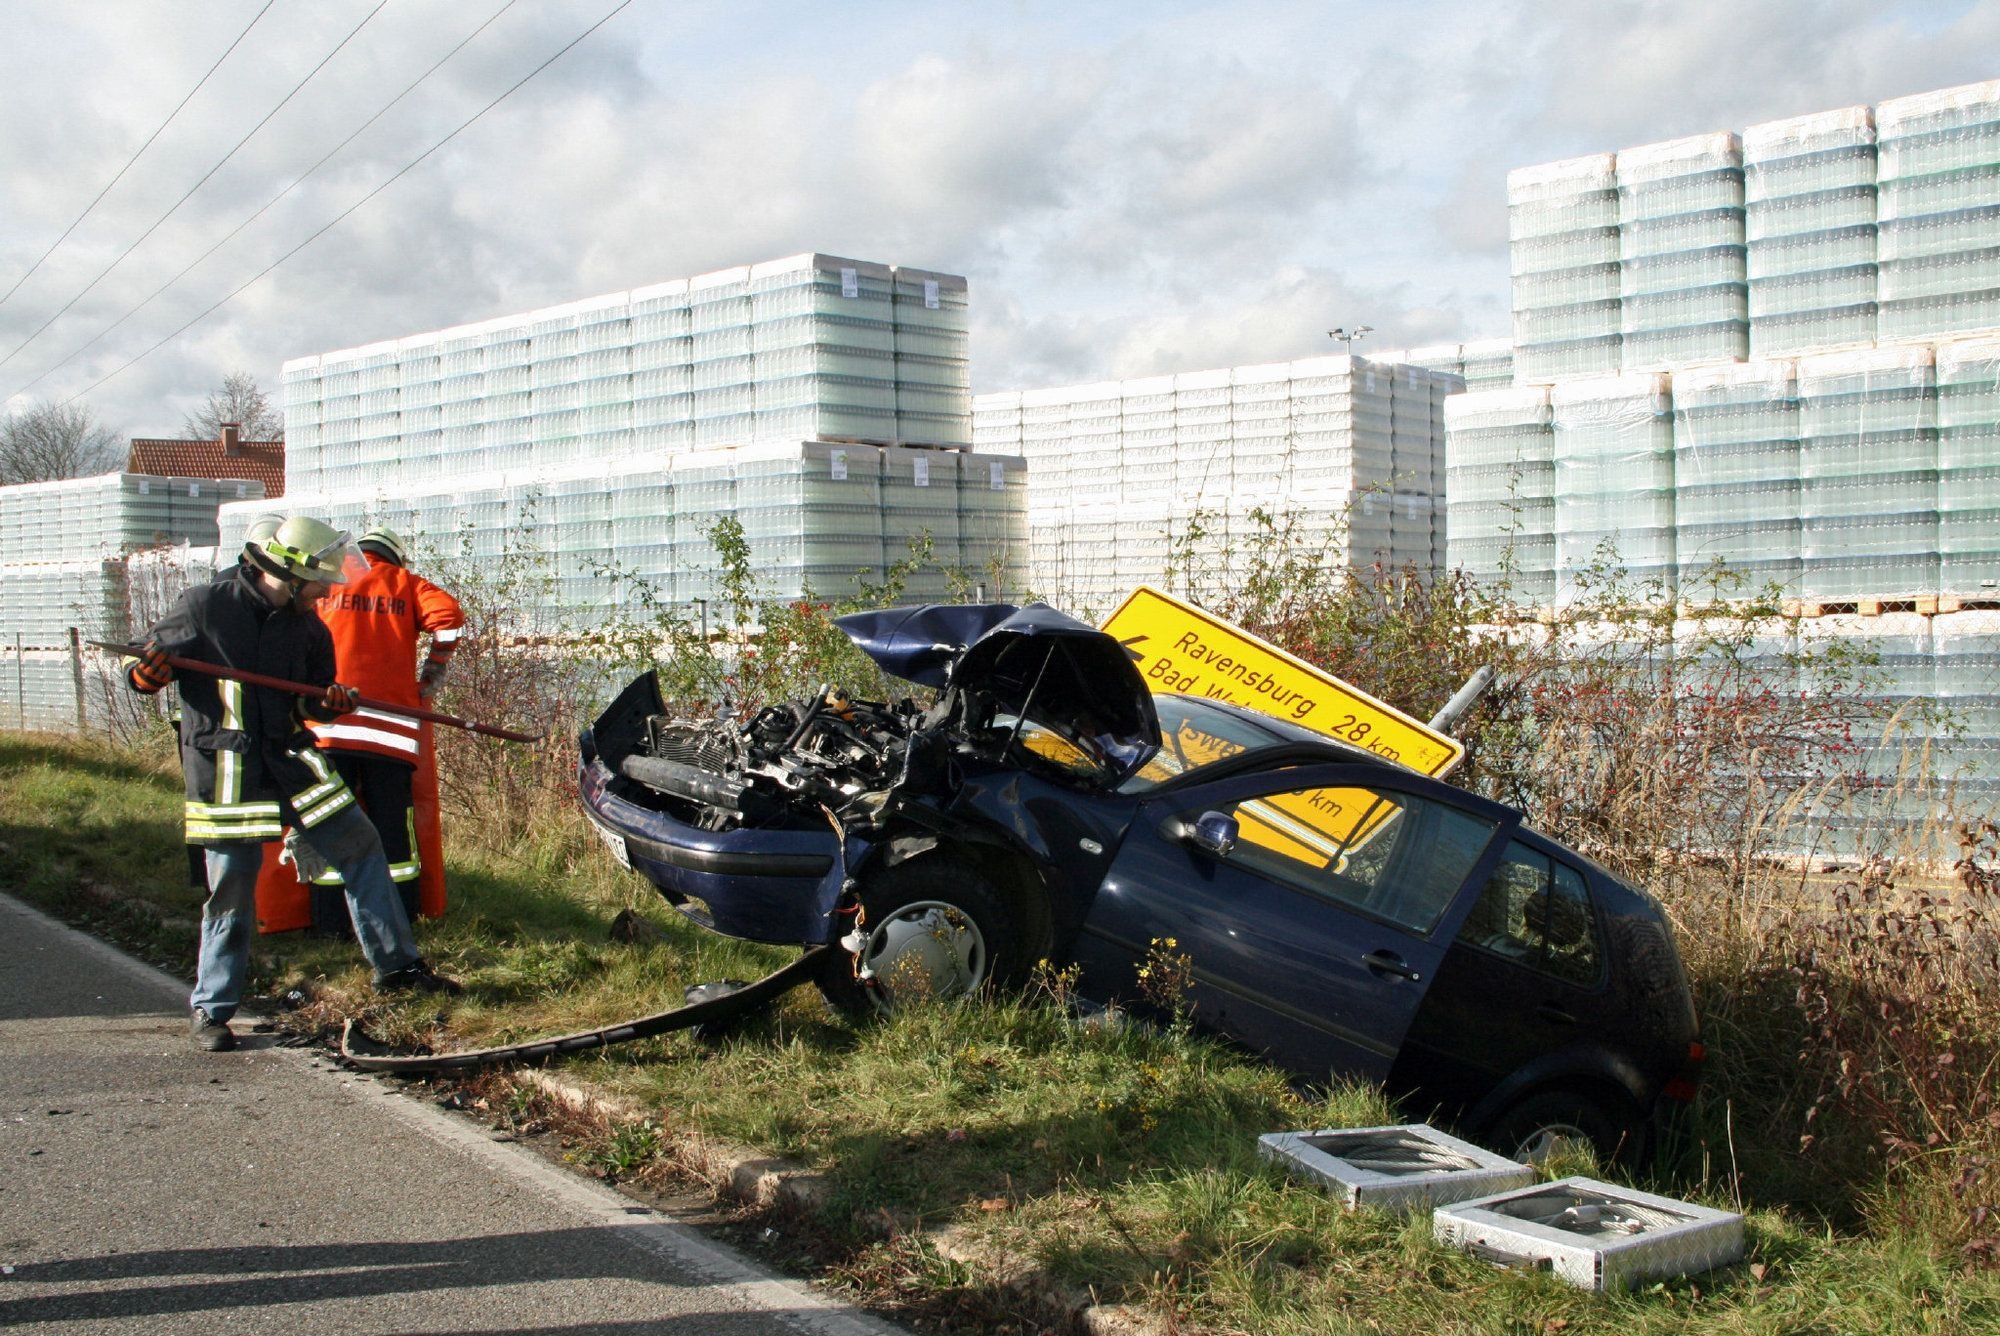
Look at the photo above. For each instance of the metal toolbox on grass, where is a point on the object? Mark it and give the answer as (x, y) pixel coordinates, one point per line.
(1593, 1235)
(1404, 1168)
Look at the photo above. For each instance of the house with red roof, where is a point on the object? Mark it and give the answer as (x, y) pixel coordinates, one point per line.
(229, 456)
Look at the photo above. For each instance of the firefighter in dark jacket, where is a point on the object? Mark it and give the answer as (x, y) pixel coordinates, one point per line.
(252, 769)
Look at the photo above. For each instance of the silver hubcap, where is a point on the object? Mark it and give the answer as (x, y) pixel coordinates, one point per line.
(927, 948)
(1550, 1139)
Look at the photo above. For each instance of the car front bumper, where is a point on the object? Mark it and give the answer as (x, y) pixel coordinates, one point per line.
(760, 885)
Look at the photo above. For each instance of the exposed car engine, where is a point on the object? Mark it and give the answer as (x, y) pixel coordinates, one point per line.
(781, 766)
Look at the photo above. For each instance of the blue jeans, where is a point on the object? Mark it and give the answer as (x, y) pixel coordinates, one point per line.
(229, 917)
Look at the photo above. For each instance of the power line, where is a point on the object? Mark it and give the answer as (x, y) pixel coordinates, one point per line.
(136, 156)
(196, 186)
(268, 204)
(611, 14)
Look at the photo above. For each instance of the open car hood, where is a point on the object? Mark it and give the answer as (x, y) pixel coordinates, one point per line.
(1032, 661)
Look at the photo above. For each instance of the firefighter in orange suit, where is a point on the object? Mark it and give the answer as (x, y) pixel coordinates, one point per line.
(377, 618)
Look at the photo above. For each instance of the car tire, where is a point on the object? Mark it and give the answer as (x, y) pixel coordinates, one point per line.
(934, 916)
(1538, 1125)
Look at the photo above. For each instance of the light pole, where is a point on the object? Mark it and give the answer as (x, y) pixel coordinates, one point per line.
(704, 620)
(1348, 336)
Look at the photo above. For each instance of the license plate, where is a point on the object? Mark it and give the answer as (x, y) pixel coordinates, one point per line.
(616, 844)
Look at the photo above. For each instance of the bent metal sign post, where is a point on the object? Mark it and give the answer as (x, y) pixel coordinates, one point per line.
(1180, 648)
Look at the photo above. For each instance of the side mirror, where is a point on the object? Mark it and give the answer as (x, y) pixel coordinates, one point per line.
(1213, 833)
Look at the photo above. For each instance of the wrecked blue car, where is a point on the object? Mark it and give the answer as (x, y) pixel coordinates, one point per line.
(1344, 915)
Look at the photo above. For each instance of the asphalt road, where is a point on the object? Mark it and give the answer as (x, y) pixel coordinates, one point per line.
(147, 1186)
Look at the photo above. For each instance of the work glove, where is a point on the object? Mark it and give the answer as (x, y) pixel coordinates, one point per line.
(150, 670)
(431, 678)
(338, 699)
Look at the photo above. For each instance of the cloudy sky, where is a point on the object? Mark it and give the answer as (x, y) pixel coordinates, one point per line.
(1132, 189)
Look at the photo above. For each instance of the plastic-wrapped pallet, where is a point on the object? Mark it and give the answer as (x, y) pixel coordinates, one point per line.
(920, 511)
(1045, 445)
(1809, 190)
(149, 582)
(1410, 439)
(1356, 525)
(824, 343)
(1442, 359)
(1488, 364)
(1966, 677)
(704, 491)
(1683, 290)
(1500, 489)
(1092, 443)
(812, 515)
(41, 601)
(1900, 760)
(1968, 394)
(1145, 424)
(996, 421)
(1145, 546)
(1868, 470)
(1204, 444)
(993, 521)
(642, 524)
(719, 316)
(1374, 441)
(661, 412)
(1080, 571)
(1264, 443)
(110, 514)
(1939, 211)
(1411, 523)
(933, 366)
(1614, 467)
(1563, 248)
(1736, 477)
(38, 690)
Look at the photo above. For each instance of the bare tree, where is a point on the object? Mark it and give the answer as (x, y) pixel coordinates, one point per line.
(51, 441)
(239, 401)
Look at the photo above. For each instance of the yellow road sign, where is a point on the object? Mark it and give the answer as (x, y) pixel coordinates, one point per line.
(1180, 648)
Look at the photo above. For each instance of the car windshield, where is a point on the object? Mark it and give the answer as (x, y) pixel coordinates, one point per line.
(1193, 734)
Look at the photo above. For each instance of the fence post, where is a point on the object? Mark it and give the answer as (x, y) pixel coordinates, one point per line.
(76, 672)
(20, 684)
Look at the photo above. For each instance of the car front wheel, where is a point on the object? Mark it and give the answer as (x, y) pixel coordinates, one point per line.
(929, 928)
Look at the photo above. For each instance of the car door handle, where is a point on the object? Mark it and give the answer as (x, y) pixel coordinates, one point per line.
(1388, 962)
(1554, 1014)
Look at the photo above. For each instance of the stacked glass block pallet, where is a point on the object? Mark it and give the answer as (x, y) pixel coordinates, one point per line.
(1336, 457)
(62, 550)
(817, 517)
(808, 347)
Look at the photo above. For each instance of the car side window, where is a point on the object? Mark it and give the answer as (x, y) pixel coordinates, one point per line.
(1537, 911)
(1394, 855)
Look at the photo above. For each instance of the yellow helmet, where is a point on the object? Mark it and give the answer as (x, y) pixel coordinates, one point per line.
(303, 548)
(389, 541)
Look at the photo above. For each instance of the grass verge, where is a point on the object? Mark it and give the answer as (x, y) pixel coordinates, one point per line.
(979, 1166)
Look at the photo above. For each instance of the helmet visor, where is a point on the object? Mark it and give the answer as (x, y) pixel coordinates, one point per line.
(325, 564)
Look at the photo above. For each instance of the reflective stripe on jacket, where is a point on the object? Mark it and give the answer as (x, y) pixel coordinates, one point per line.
(249, 763)
(376, 619)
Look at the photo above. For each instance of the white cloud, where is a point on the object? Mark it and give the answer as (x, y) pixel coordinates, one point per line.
(1130, 192)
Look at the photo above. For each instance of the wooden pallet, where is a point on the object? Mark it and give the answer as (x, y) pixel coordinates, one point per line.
(1924, 605)
(1943, 603)
(1852, 607)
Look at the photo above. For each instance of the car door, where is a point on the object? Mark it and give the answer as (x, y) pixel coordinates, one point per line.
(1526, 979)
(1315, 937)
